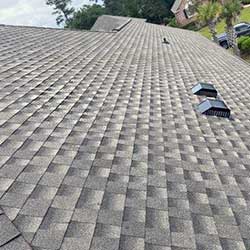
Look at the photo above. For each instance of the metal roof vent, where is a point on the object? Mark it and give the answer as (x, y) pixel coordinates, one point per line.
(165, 41)
(205, 89)
(214, 107)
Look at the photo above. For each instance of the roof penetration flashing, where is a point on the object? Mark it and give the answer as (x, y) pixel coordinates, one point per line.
(165, 41)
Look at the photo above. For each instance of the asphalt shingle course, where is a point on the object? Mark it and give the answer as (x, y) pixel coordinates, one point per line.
(110, 23)
(102, 147)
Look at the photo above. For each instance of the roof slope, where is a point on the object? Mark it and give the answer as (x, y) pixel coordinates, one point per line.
(102, 146)
(10, 237)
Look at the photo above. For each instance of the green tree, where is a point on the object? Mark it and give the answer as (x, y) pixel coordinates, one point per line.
(114, 7)
(85, 17)
(155, 11)
(208, 14)
(231, 11)
(169, 4)
(244, 44)
(61, 9)
(133, 8)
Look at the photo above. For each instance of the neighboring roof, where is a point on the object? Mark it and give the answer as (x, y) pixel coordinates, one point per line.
(176, 6)
(107, 23)
(102, 146)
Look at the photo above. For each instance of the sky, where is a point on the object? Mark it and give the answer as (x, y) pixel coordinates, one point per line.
(30, 12)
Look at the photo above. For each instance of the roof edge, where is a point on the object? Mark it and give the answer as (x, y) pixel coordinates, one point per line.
(31, 26)
(123, 25)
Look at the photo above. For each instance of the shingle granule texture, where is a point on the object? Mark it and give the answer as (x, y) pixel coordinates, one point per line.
(102, 146)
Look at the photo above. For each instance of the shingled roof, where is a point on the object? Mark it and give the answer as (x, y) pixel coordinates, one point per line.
(102, 146)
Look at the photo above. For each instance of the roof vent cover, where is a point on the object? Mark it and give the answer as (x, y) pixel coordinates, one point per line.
(165, 41)
(214, 108)
(205, 89)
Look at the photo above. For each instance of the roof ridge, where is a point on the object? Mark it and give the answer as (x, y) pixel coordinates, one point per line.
(10, 236)
(108, 23)
(45, 28)
(123, 25)
(30, 26)
(127, 20)
(59, 29)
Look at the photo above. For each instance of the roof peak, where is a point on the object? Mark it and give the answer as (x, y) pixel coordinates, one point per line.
(107, 23)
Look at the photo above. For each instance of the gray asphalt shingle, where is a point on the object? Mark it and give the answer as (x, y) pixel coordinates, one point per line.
(8, 231)
(102, 146)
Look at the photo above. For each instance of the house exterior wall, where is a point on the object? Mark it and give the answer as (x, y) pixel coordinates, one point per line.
(181, 17)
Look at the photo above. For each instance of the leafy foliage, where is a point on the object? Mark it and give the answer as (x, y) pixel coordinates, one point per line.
(230, 11)
(220, 27)
(244, 44)
(85, 17)
(114, 7)
(208, 14)
(133, 8)
(171, 22)
(61, 9)
(155, 11)
(152, 10)
(245, 1)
